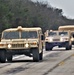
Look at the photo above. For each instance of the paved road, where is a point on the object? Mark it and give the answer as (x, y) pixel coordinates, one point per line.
(56, 62)
(64, 68)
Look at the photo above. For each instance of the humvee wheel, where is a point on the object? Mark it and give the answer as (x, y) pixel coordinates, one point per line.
(50, 48)
(9, 57)
(41, 55)
(47, 47)
(68, 47)
(3, 56)
(35, 55)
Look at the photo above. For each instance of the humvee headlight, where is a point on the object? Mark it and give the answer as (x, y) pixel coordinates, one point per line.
(9, 46)
(72, 39)
(26, 45)
(61, 39)
(51, 39)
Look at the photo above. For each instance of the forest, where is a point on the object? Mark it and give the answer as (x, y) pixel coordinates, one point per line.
(26, 13)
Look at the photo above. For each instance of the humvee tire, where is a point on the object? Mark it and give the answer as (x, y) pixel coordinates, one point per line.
(35, 55)
(3, 56)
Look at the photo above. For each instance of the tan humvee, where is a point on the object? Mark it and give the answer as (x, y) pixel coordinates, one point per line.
(58, 38)
(68, 28)
(20, 40)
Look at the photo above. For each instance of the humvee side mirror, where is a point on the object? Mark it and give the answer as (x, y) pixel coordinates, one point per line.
(42, 37)
(73, 35)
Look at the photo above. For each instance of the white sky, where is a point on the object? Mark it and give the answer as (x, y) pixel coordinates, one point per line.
(66, 5)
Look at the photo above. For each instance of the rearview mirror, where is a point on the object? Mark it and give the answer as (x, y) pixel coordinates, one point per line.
(42, 37)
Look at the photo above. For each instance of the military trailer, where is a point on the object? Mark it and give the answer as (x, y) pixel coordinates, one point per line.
(58, 38)
(16, 41)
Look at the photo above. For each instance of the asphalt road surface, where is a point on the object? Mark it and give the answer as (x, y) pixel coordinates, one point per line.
(56, 62)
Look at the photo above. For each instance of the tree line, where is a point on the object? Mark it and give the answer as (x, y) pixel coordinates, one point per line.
(31, 14)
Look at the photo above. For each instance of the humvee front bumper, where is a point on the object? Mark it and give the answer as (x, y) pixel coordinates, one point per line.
(59, 44)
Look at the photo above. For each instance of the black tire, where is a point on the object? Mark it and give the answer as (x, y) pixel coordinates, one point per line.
(50, 48)
(47, 47)
(41, 56)
(2, 56)
(69, 47)
(35, 55)
(9, 57)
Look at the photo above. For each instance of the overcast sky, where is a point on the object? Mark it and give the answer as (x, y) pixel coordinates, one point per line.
(66, 5)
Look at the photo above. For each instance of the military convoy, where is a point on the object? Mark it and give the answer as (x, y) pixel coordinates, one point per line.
(31, 41)
(16, 41)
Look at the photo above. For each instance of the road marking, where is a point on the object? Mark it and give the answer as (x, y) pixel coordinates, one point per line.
(72, 54)
(61, 63)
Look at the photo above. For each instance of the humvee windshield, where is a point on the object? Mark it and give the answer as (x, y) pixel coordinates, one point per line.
(63, 33)
(52, 33)
(28, 34)
(11, 35)
(16, 34)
